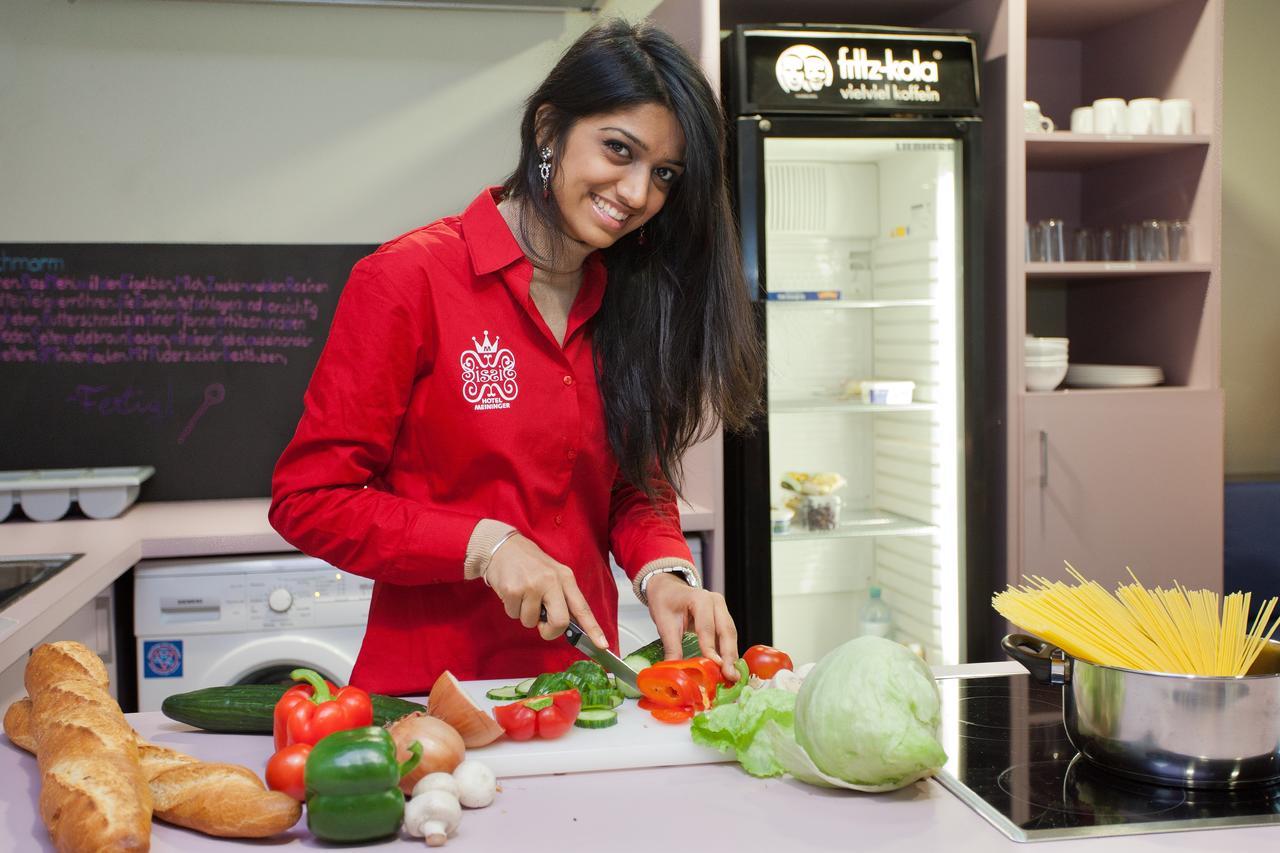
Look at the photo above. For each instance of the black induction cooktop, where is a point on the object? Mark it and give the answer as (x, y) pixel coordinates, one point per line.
(1011, 761)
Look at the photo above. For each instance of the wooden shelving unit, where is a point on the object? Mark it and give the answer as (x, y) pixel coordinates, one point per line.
(1113, 269)
(1073, 151)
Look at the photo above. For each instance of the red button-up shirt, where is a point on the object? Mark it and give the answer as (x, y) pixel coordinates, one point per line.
(441, 398)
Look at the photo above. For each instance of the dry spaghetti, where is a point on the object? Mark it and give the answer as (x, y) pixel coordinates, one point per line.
(1194, 632)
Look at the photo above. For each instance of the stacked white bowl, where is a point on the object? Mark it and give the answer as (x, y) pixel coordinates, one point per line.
(1045, 363)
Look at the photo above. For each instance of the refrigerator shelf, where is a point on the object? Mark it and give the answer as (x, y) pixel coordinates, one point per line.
(835, 406)
(862, 522)
(818, 304)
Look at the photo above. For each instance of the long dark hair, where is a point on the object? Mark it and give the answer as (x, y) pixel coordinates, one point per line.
(676, 348)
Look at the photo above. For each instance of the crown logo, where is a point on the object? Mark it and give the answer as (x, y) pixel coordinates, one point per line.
(486, 348)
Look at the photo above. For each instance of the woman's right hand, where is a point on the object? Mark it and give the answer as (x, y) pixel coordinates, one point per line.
(527, 580)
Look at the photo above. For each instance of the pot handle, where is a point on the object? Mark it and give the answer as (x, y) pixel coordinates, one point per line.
(1047, 663)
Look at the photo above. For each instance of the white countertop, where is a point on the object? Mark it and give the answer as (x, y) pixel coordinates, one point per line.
(703, 807)
(146, 530)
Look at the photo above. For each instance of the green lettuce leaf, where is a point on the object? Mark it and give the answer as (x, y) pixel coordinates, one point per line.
(739, 728)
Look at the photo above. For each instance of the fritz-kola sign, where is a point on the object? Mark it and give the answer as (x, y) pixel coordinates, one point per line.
(803, 70)
(806, 69)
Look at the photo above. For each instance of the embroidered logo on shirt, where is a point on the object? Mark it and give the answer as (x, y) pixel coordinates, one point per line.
(489, 375)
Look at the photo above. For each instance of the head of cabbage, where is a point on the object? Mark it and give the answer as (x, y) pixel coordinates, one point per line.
(866, 718)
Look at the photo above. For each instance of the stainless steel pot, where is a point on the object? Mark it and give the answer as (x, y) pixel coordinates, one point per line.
(1191, 731)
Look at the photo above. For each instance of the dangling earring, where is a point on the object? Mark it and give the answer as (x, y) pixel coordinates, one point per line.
(544, 169)
(641, 239)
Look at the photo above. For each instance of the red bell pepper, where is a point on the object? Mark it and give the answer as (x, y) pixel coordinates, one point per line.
(671, 686)
(547, 716)
(308, 712)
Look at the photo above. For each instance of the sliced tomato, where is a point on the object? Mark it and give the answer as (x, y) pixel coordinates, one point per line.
(765, 661)
(672, 715)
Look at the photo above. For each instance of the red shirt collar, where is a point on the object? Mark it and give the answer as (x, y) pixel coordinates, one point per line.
(493, 247)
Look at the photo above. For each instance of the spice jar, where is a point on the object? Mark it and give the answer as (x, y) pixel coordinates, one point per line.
(821, 512)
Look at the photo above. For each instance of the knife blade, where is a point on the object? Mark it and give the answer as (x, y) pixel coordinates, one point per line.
(579, 639)
(607, 659)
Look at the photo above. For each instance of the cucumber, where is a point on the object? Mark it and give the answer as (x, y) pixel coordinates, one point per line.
(503, 694)
(523, 687)
(636, 662)
(591, 673)
(549, 682)
(596, 718)
(248, 708)
(652, 653)
(599, 699)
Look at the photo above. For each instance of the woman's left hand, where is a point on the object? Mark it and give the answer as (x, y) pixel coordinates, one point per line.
(674, 605)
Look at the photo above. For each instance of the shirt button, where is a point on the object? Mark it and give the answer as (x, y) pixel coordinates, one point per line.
(558, 520)
(568, 380)
(572, 454)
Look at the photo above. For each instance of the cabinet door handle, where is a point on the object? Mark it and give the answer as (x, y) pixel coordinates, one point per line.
(1044, 459)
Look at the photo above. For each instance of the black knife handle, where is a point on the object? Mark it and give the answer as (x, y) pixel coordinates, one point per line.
(573, 633)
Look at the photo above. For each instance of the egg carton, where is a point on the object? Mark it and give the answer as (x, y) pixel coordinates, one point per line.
(46, 494)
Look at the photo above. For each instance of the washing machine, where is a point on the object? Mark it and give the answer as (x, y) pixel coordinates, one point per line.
(243, 620)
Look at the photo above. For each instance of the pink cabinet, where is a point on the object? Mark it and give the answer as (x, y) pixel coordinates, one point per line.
(1111, 479)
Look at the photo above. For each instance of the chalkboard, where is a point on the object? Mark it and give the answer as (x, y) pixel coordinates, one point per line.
(191, 358)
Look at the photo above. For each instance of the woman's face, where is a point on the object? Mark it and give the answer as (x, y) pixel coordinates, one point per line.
(616, 172)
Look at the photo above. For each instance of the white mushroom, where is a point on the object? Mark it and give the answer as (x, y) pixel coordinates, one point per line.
(433, 815)
(436, 782)
(476, 784)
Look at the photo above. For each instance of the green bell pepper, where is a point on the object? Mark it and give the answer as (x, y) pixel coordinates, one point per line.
(353, 785)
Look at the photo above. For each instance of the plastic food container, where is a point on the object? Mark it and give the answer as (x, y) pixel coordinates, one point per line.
(46, 495)
(888, 392)
(821, 512)
(780, 519)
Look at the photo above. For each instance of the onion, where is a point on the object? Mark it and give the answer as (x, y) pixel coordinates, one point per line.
(449, 702)
(442, 746)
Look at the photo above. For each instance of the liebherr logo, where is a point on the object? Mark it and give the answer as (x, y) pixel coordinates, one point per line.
(857, 64)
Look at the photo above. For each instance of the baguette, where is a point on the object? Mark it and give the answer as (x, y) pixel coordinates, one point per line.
(92, 794)
(225, 800)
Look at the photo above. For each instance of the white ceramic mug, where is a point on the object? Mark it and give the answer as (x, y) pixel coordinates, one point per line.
(1110, 115)
(1032, 119)
(1175, 116)
(1082, 120)
(1144, 116)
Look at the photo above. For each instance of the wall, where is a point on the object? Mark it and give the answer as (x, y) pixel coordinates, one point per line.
(1251, 241)
(154, 120)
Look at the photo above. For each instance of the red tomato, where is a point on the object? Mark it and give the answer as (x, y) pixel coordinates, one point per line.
(765, 661)
(285, 770)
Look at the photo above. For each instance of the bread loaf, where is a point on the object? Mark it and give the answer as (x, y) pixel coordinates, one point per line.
(92, 793)
(225, 800)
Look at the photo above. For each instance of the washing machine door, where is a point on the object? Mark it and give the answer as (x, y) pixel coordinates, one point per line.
(269, 660)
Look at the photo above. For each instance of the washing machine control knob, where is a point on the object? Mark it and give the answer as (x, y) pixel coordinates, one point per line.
(280, 599)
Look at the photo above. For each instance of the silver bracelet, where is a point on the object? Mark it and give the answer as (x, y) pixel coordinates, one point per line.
(484, 576)
(687, 574)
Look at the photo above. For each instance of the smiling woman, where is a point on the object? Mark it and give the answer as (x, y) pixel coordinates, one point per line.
(506, 395)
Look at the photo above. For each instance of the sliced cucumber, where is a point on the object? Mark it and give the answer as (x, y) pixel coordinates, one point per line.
(596, 718)
(504, 694)
(616, 700)
(599, 699)
(523, 687)
(652, 653)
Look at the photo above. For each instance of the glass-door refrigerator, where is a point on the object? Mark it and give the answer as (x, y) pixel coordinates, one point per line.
(856, 183)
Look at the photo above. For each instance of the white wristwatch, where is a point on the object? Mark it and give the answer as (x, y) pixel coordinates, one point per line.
(689, 575)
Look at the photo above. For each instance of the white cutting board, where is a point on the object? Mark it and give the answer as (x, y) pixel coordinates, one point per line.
(638, 740)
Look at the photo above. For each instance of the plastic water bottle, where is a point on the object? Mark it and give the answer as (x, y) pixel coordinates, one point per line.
(876, 619)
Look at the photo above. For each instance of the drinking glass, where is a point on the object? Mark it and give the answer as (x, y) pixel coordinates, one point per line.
(1179, 240)
(1155, 240)
(1130, 242)
(1053, 240)
(1084, 245)
(1108, 245)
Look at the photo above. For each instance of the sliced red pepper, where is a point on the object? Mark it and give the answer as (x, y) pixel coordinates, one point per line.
(672, 715)
(548, 716)
(309, 712)
(704, 669)
(670, 687)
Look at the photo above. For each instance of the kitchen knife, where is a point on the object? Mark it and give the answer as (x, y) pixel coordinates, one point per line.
(612, 663)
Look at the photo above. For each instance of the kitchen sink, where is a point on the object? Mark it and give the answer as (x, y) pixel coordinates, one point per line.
(22, 573)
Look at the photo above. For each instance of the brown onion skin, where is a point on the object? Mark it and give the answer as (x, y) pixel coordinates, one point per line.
(448, 702)
(442, 746)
